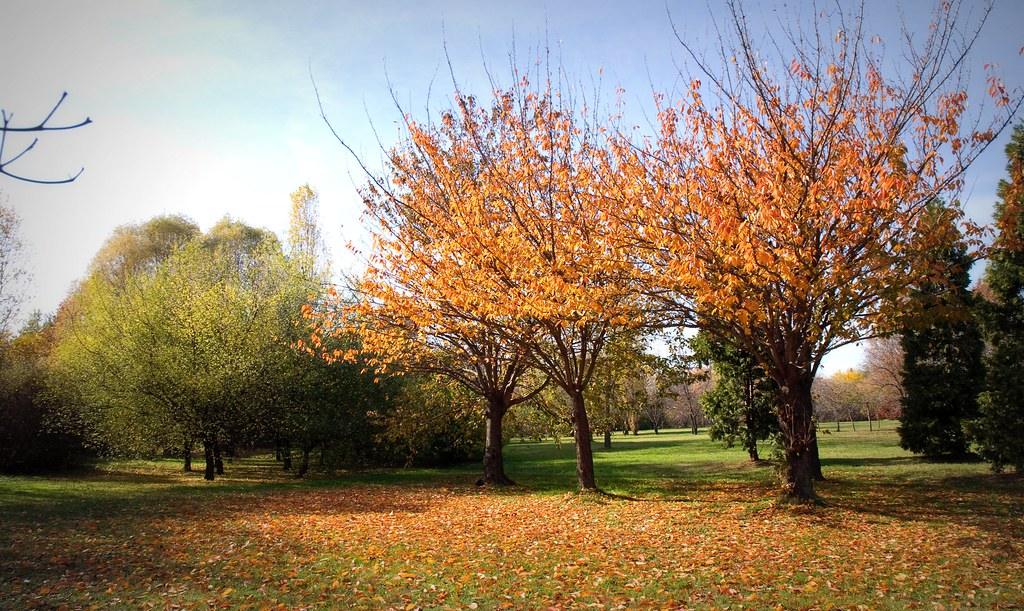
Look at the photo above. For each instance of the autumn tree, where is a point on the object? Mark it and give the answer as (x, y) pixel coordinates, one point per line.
(490, 219)
(998, 431)
(782, 203)
(407, 311)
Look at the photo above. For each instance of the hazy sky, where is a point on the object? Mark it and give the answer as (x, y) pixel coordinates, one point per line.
(206, 108)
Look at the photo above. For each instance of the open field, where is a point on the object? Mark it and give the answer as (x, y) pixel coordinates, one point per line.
(700, 529)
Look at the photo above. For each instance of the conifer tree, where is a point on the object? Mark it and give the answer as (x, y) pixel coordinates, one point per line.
(998, 432)
(942, 364)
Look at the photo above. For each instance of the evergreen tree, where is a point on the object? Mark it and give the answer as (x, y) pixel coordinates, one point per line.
(998, 432)
(942, 364)
(741, 403)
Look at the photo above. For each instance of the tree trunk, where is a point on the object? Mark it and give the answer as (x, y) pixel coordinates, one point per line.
(218, 461)
(799, 475)
(304, 467)
(749, 437)
(323, 450)
(796, 421)
(584, 453)
(655, 430)
(816, 458)
(208, 455)
(188, 457)
(607, 440)
(286, 455)
(494, 461)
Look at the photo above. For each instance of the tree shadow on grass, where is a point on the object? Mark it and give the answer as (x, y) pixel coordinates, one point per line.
(869, 462)
(992, 503)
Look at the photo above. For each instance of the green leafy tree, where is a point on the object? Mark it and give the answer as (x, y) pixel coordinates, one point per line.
(942, 350)
(183, 355)
(998, 432)
(742, 401)
(618, 393)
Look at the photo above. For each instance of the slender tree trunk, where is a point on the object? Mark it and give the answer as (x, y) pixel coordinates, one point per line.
(494, 460)
(607, 440)
(752, 453)
(853, 422)
(838, 428)
(286, 454)
(584, 453)
(188, 457)
(749, 436)
(797, 425)
(323, 450)
(816, 458)
(655, 430)
(208, 474)
(218, 461)
(277, 449)
(304, 466)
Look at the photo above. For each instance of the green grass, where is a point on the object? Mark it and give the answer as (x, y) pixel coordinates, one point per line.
(688, 523)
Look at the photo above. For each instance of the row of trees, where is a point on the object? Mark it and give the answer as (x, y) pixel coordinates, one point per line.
(785, 206)
(179, 339)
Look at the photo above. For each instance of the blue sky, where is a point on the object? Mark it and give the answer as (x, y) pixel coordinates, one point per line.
(206, 109)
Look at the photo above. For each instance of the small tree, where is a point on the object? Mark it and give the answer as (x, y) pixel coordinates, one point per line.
(741, 404)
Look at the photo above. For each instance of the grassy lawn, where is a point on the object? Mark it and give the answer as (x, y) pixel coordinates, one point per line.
(700, 529)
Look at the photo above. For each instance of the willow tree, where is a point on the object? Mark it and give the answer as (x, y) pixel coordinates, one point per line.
(490, 217)
(782, 203)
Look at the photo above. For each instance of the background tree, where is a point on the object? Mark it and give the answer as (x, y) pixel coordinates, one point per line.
(31, 435)
(182, 355)
(883, 368)
(942, 367)
(305, 244)
(140, 249)
(618, 395)
(787, 212)
(998, 432)
(12, 271)
(741, 402)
